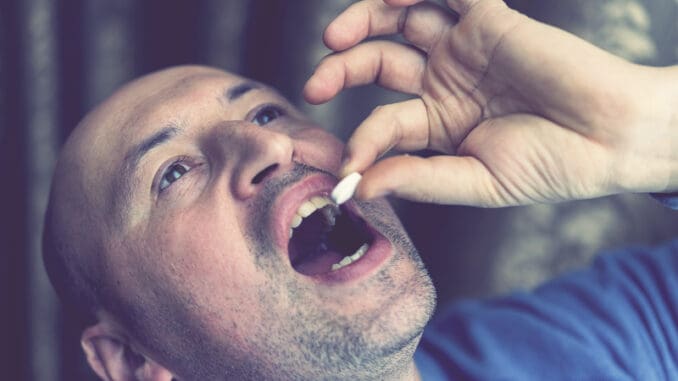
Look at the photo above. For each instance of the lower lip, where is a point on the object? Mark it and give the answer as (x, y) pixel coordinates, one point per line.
(380, 250)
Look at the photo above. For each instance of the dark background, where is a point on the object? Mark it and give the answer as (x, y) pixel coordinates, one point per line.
(60, 58)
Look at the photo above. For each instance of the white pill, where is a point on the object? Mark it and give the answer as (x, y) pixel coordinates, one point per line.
(346, 188)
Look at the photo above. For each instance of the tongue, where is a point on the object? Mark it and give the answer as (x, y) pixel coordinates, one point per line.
(319, 264)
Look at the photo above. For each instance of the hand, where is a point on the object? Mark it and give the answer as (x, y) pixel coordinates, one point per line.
(522, 112)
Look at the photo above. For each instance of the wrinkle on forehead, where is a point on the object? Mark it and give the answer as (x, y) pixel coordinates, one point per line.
(146, 105)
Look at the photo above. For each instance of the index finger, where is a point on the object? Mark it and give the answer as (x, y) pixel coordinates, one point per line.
(403, 126)
(420, 23)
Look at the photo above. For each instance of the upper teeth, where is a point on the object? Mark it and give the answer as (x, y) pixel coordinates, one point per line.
(310, 206)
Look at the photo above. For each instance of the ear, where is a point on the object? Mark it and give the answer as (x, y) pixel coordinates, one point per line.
(112, 358)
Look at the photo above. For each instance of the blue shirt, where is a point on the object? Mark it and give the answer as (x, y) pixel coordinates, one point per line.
(617, 320)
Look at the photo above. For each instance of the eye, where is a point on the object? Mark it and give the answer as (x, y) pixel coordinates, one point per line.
(267, 115)
(172, 174)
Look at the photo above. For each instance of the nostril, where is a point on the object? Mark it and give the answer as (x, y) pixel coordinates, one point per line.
(264, 173)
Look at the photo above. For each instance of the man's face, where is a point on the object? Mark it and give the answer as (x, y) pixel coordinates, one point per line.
(198, 178)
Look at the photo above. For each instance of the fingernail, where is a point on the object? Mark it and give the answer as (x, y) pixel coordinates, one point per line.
(344, 168)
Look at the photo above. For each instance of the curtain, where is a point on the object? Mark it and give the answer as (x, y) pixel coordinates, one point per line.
(58, 59)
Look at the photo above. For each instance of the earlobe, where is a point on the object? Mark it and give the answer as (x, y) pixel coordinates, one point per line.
(112, 359)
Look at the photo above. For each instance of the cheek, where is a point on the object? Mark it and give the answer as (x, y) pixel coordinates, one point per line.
(319, 148)
(220, 285)
(209, 250)
(200, 268)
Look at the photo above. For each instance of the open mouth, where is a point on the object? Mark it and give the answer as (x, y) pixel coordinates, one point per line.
(325, 237)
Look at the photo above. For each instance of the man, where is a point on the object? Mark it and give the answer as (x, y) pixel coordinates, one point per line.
(171, 217)
(189, 219)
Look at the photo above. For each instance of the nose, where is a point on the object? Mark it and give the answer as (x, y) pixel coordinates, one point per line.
(258, 153)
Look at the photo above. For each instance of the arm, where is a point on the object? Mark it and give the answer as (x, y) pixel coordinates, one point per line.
(521, 112)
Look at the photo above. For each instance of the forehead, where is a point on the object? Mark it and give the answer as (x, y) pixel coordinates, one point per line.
(179, 96)
(174, 97)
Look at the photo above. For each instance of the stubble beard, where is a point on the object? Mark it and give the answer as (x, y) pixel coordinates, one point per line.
(299, 338)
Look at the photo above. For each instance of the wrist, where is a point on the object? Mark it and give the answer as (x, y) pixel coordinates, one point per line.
(668, 78)
(647, 156)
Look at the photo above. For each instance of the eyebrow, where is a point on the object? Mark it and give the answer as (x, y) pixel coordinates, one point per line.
(163, 136)
(238, 91)
(166, 134)
(124, 183)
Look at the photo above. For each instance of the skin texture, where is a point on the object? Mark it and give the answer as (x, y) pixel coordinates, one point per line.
(188, 281)
(521, 112)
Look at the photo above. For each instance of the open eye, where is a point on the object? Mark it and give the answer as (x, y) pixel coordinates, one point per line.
(267, 115)
(172, 174)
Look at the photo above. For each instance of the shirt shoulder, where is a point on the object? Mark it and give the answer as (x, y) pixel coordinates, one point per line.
(670, 200)
(615, 320)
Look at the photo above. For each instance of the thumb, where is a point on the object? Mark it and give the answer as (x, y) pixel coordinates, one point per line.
(438, 179)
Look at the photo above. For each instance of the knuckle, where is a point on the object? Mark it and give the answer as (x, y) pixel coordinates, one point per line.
(328, 60)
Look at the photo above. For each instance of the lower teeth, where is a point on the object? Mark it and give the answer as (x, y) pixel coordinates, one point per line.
(352, 258)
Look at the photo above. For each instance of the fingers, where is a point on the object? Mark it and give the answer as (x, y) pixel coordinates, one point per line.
(360, 20)
(402, 126)
(460, 6)
(389, 64)
(421, 24)
(439, 179)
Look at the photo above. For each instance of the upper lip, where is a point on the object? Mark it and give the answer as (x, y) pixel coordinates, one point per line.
(289, 201)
